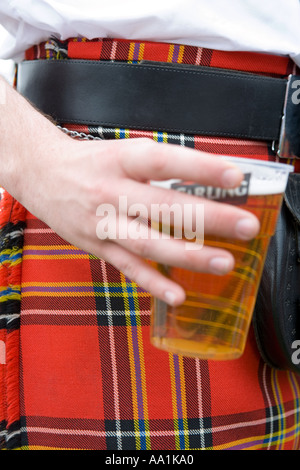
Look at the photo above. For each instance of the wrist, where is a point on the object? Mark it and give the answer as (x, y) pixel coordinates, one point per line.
(27, 138)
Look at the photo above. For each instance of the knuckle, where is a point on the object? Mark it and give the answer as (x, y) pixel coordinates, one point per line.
(142, 248)
(158, 162)
(99, 192)
(128, 268)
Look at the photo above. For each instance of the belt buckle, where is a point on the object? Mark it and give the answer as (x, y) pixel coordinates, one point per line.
(289, 137)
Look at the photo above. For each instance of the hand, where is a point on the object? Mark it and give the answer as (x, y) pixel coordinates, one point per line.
(76, 177)
(63, 181)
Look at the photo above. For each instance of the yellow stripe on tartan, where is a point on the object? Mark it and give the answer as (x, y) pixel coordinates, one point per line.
(180, 55)
(90, 293)
(137, 407)
(15, 293)
(183, 402)
(178, 402)
(141, 51)
(171, 52)
(131, 52)
(74, 253)
(280, 408)
(122, 133)
(230, 246)
(64, 257)
(52, 247)
(157, 136)
(174, 404)
(258, 441)
(296, 393)
(171, 57)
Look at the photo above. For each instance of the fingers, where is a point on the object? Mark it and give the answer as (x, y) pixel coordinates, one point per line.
(148, 160)
(129, 256)
(143, 160)
(146, 242)
(219, 218)
(143, 274)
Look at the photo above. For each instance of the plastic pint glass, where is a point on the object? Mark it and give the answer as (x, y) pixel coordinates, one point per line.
(214, 320)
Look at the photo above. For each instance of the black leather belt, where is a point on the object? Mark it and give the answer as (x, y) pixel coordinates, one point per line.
(166, 97)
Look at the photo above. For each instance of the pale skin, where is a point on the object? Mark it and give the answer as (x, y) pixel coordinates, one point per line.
(62, 181)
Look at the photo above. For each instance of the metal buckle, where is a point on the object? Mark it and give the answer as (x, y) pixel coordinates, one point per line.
(289, 138)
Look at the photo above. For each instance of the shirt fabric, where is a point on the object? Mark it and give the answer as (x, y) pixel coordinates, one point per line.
(270, 26)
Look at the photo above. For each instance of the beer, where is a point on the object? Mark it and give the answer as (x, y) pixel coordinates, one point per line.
(214, 320)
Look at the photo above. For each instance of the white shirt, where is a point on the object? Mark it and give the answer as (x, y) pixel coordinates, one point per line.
(271, 26)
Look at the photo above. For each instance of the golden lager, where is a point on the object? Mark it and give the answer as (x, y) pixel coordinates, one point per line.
(214, 320)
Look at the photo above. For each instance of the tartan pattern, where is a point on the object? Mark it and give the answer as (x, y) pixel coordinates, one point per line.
(12, 224)
(89, 377)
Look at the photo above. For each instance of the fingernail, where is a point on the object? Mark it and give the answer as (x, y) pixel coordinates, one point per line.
(231, 177)
(170, 297)
(220, 265)
(247, 228)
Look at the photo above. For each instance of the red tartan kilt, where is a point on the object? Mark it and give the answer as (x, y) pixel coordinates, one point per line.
(88, 377)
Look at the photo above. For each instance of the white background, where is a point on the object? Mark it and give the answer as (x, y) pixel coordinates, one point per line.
(6, 66)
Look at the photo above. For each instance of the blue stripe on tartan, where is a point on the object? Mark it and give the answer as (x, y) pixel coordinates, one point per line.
(11, 257)
(9, 292)
(160, 137)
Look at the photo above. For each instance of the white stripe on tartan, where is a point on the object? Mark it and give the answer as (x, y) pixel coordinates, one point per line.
(9, 317)
(113, 50)
(179, 432)
(271, 420)
(200, 403)
(9, 434)
(2, 353)
(199, 55)
(75, 312)
(38, 230)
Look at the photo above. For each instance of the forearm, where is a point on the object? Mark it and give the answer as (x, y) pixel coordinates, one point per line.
(26, 137)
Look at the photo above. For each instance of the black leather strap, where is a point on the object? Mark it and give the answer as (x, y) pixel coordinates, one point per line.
(166, 97)
(276, 319)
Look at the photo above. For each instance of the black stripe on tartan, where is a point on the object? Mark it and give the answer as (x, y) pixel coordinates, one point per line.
(125, 432)
(271, 424)
(10, 438)
(116, 302)
(23, 437)
(206, 57)
(12, 235)
(10, 315)
(2, 434)
(79, 433)
(11, 240)
(13, 436)
(109, 133)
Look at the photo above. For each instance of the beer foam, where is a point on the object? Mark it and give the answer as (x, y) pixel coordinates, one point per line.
(261, 187)
(266, 177)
